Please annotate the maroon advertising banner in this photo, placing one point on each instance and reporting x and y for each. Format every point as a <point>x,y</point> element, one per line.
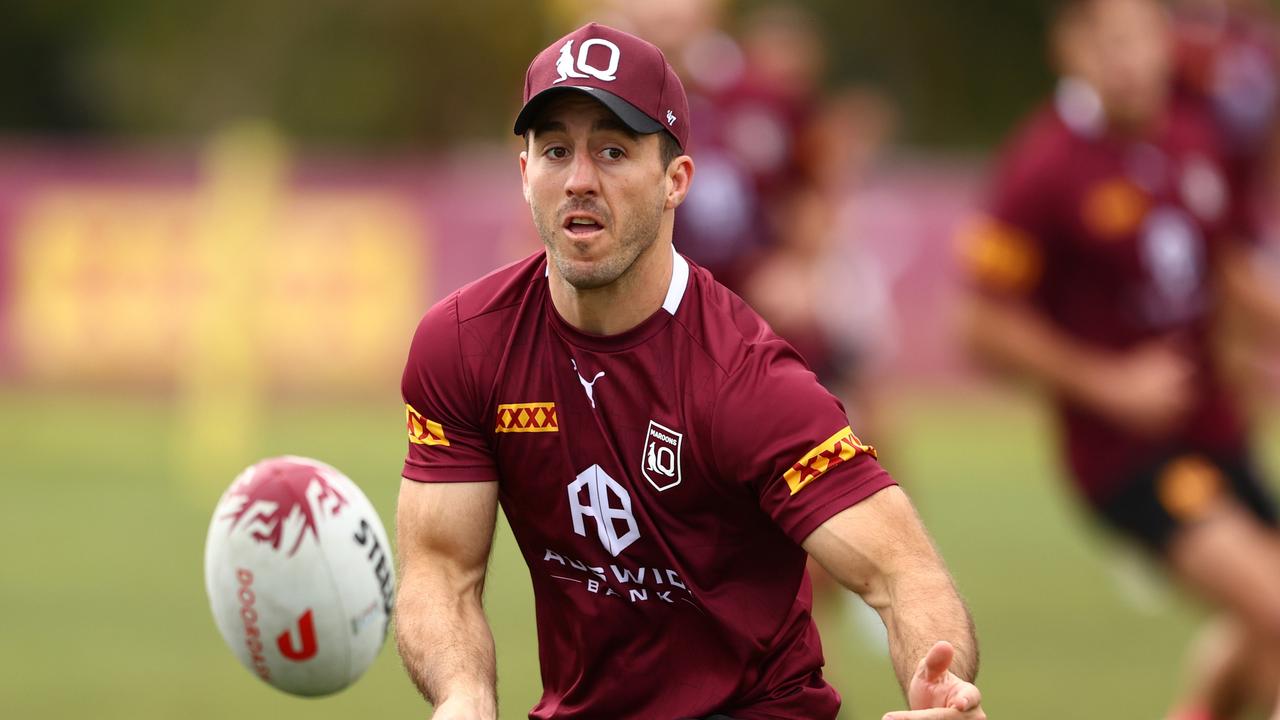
<point>131,267</point>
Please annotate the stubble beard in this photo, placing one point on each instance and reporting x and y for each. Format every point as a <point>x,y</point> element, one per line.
<point>635,233</point>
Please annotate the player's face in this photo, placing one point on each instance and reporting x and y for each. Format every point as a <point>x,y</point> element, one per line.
<point>597,191</point>
<point>1123,49</point>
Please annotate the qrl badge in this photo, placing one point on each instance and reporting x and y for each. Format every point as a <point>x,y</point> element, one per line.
<point>661,462</point>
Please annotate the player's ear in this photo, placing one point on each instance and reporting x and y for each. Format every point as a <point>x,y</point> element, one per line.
<point>679,178</point>
<point>524,174</point>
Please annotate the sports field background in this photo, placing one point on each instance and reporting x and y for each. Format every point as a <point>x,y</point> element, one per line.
<point>210,211</point>
<point>105,616</point>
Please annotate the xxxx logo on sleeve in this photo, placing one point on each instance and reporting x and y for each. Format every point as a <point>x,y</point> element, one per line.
<point>423,431</point>
<point>837,449</point>
<point>527,418</point>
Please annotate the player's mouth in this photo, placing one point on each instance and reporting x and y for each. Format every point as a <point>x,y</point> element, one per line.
<point>582,225</point>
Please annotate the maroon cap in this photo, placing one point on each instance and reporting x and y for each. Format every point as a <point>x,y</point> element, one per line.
<point>628,75</point>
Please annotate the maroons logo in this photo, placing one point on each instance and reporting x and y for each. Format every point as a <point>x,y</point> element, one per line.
<point>569,66</point>
<point>283,497</point>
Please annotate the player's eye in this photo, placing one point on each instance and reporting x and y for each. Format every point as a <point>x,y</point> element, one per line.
<point>556,152</point>
<point>613,153</point>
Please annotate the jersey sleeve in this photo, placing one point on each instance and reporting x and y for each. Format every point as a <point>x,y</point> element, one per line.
<point>779,433</point>
<point>447,441</point>
<point>1003,246</point>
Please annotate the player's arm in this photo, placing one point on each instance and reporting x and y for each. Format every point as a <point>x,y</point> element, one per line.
<point>1147,389</point>
<point>879,549</point>
<point>1012,337</point>
<point>1251,286</point>
<point>444,532</point>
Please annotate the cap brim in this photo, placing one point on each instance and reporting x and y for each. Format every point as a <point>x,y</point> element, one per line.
<point>629,114</point>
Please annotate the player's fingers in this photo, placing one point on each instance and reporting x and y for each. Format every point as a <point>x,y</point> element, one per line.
<point>937,714</point>
<point>938,661</point>
<point>930,714</point>
<point>965,697</point>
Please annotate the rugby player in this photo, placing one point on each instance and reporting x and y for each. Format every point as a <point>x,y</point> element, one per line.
<point>1109,249</point>
<point>664,460</point>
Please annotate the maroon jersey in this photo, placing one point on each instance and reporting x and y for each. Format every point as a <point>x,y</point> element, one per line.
<point>659,483</point>
<point>1114,241</point>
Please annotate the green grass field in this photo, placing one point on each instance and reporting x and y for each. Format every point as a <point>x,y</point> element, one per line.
<point>104,611</point>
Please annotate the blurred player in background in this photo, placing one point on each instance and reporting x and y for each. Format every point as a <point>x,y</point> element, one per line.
<point>1228,61</point>
<point>776,158</point>
<point>665,460</point>
<point>1111,245</point>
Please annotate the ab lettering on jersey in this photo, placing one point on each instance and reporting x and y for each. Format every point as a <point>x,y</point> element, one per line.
<point>601,508</point>
<point>608,503</point>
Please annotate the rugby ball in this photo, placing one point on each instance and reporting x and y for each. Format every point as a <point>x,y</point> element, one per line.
<point>299,575</point>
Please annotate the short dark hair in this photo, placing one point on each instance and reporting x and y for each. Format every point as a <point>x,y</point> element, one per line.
<point>668,146</point>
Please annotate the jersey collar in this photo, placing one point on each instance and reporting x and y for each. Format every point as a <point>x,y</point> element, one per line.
<point>679,282</point>
<point>636,335</point>
<point>1080,108</point>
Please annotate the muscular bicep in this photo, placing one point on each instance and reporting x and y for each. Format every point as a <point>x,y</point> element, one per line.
<point>446,530</point>
<point>866,545</point>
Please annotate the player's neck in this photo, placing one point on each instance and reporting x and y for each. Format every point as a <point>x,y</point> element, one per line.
<point>1137,126</point>
<point>624,303</point>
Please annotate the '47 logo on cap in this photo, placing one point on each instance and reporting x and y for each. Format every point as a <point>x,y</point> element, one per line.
<point>568,68</point>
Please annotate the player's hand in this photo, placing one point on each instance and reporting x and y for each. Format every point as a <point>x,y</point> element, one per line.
<point>935,693</point>
<point>1147,391</point>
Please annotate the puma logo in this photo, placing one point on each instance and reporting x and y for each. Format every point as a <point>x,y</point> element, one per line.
<point>589,387</point>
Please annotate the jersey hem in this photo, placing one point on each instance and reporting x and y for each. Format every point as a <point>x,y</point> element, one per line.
<point>474,473</point>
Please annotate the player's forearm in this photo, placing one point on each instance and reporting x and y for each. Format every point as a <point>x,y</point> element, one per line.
<point>1253,286</point>
<point>1018,340</point>
<point>921,608</point>
<point>446,645</point>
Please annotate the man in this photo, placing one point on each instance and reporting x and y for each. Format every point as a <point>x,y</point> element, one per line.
<point>664,460</point>
<point>1099,271</point>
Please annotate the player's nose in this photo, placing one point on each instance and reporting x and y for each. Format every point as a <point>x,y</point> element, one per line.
<point>583,178</point>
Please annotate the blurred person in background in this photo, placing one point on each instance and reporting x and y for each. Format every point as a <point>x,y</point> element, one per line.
<point>776,158</point>
<point>1108,251</point>
<point>832,139</point>
<point>1228,60</point>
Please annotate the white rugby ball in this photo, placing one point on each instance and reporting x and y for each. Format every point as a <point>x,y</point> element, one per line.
<point>300,575</point>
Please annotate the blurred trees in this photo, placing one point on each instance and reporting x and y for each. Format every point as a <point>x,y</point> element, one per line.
<point>415,73</point>
<point>376,71</point>
<point>962,72</point>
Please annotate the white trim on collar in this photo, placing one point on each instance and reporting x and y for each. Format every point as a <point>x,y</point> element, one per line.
<point>679,282</point>
<point>1080,107</point>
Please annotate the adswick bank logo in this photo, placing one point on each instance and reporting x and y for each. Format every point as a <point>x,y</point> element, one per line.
<point>595,494</point>
<point>601,504</point>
